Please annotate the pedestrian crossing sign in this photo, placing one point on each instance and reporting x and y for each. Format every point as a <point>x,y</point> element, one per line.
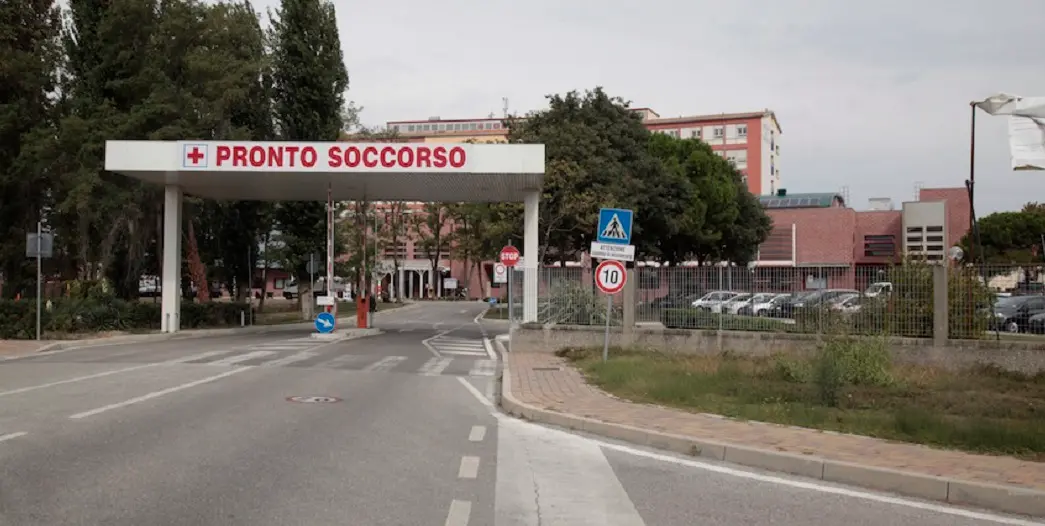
<point>614,226</point>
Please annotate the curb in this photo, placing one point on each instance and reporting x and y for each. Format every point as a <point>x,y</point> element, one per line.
<point>1008,499</point>
<point>195,333</point>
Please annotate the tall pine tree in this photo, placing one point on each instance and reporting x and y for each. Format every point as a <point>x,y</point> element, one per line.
<point>309,84</point>
<point>29,58</point>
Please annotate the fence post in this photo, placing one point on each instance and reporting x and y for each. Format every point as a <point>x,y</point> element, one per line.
<point>940,306</point>
<point>628,317</point>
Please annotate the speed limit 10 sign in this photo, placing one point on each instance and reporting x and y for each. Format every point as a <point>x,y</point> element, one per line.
<point>610,276</point>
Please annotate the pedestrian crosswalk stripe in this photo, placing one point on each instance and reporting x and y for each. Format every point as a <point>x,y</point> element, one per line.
<point>463,353</point>
<point>385,364</point>
<point>293,358</point>
<point>232,360</point>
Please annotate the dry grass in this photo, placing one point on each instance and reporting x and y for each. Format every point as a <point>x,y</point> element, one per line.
<point>984,409</point>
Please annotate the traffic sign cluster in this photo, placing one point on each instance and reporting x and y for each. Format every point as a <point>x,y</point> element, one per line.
<point>613,245</point>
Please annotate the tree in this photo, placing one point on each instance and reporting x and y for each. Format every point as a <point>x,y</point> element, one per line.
<point>309,84</point>
<point>394,231</point>
<point>361,241</point>
<point>597,156</point>
<point>1009,237</point>
<point>708,213</point>
<point>30,47</point>
<point>429,225</point>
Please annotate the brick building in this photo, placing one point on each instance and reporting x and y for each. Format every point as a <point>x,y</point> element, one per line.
<point>817,240</point>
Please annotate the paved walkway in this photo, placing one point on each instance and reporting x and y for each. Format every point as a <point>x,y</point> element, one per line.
<point>10,347</point>
<point>565,391</point>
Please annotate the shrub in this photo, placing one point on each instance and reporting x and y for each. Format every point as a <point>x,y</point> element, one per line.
<point>701,319</point>
<point>571,303</point>
<point>92,309</point>
<point>846,361</point>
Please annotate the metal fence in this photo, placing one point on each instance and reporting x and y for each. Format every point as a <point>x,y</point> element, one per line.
<point>897,300</point>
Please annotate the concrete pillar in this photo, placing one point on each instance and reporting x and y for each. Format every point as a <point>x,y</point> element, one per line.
<point>399,284</point>
<point>531,263</point>
<point>410,285</point>
<point>170,320</point>
<point>941,310</point>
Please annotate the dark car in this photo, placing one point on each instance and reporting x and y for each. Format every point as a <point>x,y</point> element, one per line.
<point>1013,314</point>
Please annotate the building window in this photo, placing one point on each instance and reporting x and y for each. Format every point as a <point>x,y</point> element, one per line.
<point>876,246</point>
<point>717,132</point>
<point>742,130</point>
<point>278,284</point>
<point>411,128</point>
<point>694,134</point>
<point>496,125</point>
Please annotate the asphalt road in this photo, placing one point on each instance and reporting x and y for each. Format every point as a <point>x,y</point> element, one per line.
<point>201,432</point>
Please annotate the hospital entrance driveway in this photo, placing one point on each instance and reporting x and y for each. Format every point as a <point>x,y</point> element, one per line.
<point>396,429</point>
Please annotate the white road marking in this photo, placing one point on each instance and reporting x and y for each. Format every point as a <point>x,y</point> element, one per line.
<point>557,478</point>
<point>477,434</point>
<point>463,353</point>
<point>157,394</point>
<point>385,364</point>
<point>280,347</point>
<point>478,396</point>
<point>460,510</point>
<point>11,436</point>
<point>740,473</point>
<point>489,348</point>
<point>436,366</point>
<point>469,468</point>
<point>293,358</point>
<point>483,368</point>
<point>428,342</point>
<point>239,358</point>
<point>110,373</point>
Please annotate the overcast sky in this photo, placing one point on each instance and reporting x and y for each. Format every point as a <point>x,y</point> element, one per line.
<point>872,96</point>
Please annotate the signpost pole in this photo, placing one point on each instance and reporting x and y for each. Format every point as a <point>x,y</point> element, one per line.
<point>312,285</point>
<point>39,274</point>
<point>511,306</point>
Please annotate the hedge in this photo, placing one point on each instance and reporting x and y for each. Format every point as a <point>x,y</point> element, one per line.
<point>94,314</point>
<point>702,319</point>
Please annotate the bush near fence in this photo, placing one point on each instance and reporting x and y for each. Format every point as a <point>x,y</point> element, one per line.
<point>702,319</point>
<point>91,307</point>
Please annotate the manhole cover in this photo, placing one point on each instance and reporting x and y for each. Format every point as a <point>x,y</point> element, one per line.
<point>313,399</point>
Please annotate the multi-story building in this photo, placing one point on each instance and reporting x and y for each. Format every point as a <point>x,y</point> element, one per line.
<point>751,141</point>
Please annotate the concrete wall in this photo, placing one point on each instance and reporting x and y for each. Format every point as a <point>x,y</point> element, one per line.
<point>1026,357</point>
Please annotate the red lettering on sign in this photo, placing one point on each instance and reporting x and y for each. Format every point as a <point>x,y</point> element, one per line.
<point>309,157</point>
<point>408,157</point>
<point>388,157</point>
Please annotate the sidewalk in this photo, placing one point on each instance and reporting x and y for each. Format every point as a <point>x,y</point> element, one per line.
<point>1000,483</point>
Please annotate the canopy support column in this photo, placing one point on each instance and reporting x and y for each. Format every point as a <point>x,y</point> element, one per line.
<point>170,320</point>
<point>531,261</point>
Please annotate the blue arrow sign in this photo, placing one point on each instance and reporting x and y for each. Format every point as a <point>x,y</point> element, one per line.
<point>325,322</point>
<point>614,226</point>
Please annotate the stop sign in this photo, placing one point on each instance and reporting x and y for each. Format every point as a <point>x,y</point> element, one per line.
<point>509,256</point>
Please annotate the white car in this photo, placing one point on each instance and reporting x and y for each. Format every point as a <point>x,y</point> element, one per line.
<point>882,287</point>
<point>753,303</point>
<point>713,301</point>
<point>734,304</point>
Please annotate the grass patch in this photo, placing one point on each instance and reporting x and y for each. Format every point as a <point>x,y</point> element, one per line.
<point>850,386</point>
<point>495,313</point>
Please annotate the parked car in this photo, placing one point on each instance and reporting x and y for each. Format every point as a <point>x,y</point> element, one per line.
<point>745,306</point>
<point>732,305</point>
<point>883,288</point>
<point>712,301</point>
<point>1013,314</point>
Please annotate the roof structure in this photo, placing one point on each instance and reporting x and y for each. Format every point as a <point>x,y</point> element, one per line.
<point>813,200</point>
<point>303,171</point>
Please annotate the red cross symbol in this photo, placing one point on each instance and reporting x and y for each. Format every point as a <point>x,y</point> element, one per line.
<point>195,155</point>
